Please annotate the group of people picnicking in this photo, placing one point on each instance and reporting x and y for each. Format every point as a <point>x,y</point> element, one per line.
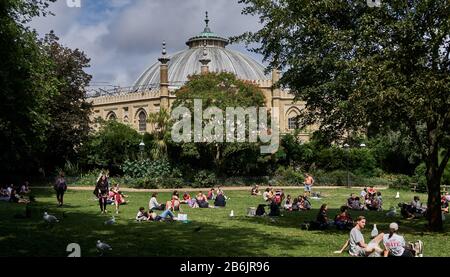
<point>201,200</point>
<point>416,209</point>
<point>368,199</point>
<point>394,244</point>
<point>16,194</point>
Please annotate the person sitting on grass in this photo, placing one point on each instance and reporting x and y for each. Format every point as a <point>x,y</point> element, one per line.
<point>374,202</point>
<point>25,189</point>
<point>413,210</point>
<point>358,248</point>
<point>268,195</point>
<point>211,194</point>
<point>303,203</point>
<point>395,245</point>
<point>322,221</point>
<point>119,197</point>
<point>353,203</point>
<point>220,200</point>
<point>288,203</point>
<point>343,220</point>
<point>278,197</point>
<point>174,203</point>
<point>255,191</point>
<point>166,215</point>
<point>16,198</point>
<point>202,200</point>
<point>444,205</point>
<point>188,200</point>
<point>220,191</point>
<point>142,215</point>
<point>153,204</point>
<point>4,195</point>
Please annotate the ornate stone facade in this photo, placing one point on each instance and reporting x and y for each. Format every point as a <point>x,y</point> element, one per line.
<point>155,88</point>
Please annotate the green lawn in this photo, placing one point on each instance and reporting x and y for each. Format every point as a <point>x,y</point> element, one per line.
<point>219,235</point>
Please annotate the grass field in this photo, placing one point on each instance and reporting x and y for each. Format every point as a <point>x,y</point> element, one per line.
<point>219,234</point>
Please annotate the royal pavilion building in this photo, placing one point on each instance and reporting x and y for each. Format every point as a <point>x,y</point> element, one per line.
<point>206,52</point>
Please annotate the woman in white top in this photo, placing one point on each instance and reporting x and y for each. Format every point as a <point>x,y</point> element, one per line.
<point>395,244</point>
<point>153,203</point>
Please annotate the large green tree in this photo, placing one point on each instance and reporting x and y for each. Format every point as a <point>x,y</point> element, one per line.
<point>25,88</point>
<point>110,146</point>
<point>69,111</point>
<point>356,65</point>
<point>222,90</point>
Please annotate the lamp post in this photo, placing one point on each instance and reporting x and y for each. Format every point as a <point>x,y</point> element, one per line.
<point>141,148</point>
<point>347,147</point>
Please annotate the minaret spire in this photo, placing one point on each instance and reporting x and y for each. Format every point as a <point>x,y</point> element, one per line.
<point>164,78</point>
<point>207,30</point>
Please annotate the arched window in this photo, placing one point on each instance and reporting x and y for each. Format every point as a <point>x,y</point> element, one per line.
<point>111,116</point>
<point>292,123</point>
<point>292,116</point>
<point>142,121</point>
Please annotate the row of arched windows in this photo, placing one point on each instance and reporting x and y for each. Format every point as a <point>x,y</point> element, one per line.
<point>141,116</point>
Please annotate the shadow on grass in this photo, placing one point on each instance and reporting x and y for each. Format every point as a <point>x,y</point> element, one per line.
<point>293,219</point>
<point>33,237</point>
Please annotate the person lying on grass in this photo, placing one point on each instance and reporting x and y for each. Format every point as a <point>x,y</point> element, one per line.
<point>142,215</point>
<point>358,247</point>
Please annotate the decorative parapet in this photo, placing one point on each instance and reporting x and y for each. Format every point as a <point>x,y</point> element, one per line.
<point>129,97</point>
<point>260,83</point>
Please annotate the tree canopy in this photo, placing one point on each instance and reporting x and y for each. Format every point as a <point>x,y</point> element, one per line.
<point>358,66</point>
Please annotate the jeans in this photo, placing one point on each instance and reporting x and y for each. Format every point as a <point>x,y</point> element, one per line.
<point>167,213</point>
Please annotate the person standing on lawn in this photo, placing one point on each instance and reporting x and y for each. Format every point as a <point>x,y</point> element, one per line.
<point>102,191</point>
<point>308,182</point>
<point>60,187</point>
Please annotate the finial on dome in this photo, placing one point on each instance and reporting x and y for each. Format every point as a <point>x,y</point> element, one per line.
<point>164,52</point>
<point>207,30</point>
<point>164,59</point>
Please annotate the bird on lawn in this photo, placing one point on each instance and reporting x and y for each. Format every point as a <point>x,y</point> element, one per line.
<point>50,218</point>
<point>111,221</point>
<point>103,247</point>
<point>397,196</point>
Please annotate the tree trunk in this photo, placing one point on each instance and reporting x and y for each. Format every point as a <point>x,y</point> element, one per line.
<point>434,213</point>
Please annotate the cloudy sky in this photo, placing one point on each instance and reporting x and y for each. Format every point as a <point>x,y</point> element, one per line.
<point>123,37</point>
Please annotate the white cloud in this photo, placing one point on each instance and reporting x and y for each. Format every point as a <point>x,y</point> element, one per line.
<point>123,37</point>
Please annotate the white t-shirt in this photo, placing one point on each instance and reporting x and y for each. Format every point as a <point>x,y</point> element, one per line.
<point>396,244</point>
<point>153,203</point>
